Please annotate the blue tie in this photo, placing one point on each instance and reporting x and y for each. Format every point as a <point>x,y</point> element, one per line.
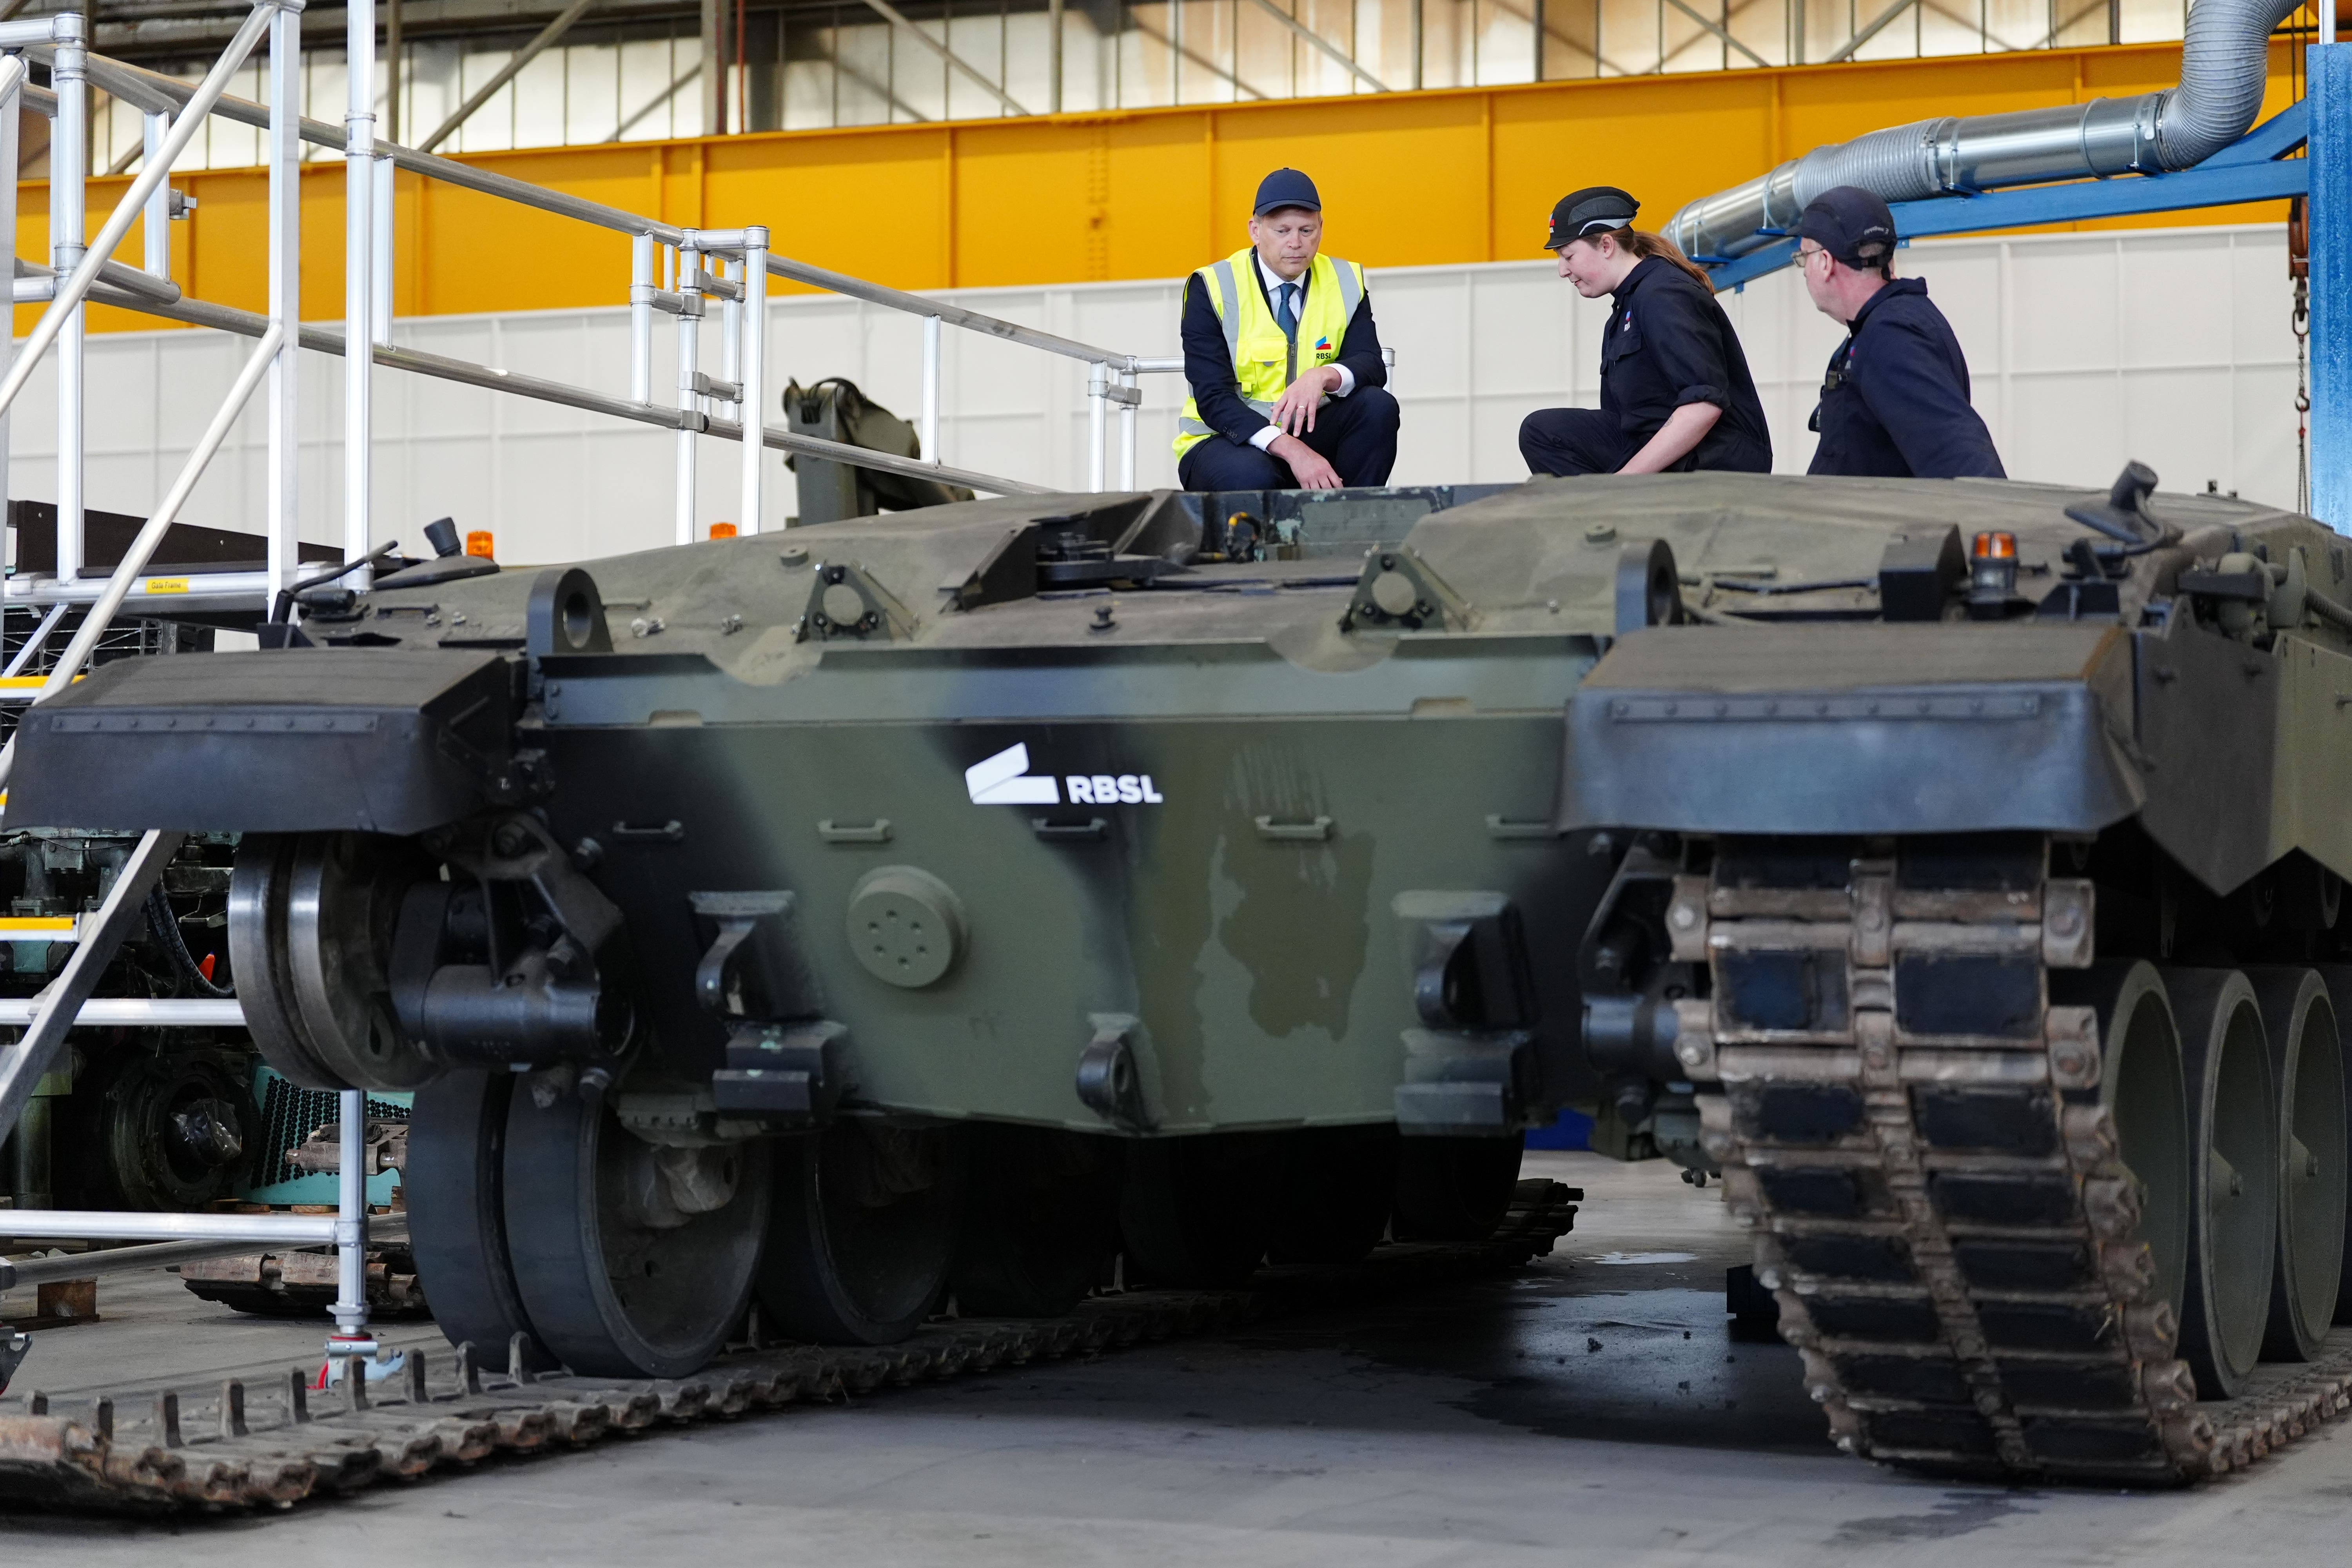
<point>1288,314</point>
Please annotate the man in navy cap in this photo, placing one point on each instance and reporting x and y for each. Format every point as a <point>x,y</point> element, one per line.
<point>1896,401</point>
<point>1283,359</point>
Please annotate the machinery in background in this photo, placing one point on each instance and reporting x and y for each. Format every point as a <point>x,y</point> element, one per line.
<point>167,1118</point>
<point>296,1165</point>
<point>144,1117</point>
<point>174,1119</point>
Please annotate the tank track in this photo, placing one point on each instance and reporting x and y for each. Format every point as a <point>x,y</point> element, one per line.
<point>1915,1134</point>
<point>135,1451</point>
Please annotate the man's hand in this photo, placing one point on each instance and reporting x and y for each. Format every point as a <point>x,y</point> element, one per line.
<point>1308,465</point>
<point>1294,411</point>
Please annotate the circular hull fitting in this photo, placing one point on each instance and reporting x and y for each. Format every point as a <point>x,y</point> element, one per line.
<point>1453,1189</point>
<point>862,1231</point>
<point>2307,1070</point>
<point>631,1259</point>
<point>456,1190</point>
<point>1198,1210</point>
<point>2142,1083</point>
<point>2233,1234</point>
<point>1339,1187</point>
<point>1040,1221</point>
<point>311,922</point>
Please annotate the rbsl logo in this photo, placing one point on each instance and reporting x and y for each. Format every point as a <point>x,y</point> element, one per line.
<point>1004,779</point>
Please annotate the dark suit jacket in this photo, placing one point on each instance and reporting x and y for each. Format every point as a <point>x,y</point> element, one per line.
<point>1210,368</point>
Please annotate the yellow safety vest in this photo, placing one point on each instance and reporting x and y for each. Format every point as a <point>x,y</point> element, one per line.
<point>1264,359</point>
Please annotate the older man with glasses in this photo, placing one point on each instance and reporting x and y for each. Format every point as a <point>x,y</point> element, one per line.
<point>1896,401</point>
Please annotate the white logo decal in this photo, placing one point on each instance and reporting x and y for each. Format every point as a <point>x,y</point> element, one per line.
<point>1004,780</point>
<point>1104,789</point>
<point>999,780</point>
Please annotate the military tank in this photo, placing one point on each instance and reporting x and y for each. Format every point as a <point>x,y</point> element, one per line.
<point>950,903</point>
<point>839,918</point>
<point>1978,919</point>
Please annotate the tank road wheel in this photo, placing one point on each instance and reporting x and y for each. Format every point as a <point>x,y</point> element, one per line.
<point>1340,1186</point>
<point>1196,1211</point>
<point>455,1188</point>
<point>2143,1086</point>
<point>2307,1069</point>
<point>2233,1229</point>
<point>1454,1189</point>
<point>1040,1222</point>
<point>862,1232</point>
<point>631,1259</point>
<point>2339,980</point>
<point>310,919</point>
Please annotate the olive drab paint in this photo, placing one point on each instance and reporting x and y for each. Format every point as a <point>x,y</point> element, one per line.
<point>1269,772</point>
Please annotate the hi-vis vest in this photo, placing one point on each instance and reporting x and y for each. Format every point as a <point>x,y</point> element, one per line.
<point>1265,361</point>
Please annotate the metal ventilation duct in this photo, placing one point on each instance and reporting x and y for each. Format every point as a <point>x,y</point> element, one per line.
<point>2223,67</point>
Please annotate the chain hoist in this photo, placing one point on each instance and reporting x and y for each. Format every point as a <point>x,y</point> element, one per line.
<point>2298,267</point>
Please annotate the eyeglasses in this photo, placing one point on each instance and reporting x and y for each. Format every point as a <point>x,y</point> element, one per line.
<point>1807,258</point>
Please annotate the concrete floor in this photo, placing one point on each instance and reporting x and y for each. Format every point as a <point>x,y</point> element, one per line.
<point>1594,1409</point>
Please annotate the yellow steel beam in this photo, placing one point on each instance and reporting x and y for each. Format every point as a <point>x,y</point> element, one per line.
<point>1410,178</point>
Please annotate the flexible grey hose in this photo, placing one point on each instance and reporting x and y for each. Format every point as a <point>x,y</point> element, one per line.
<point>2224,68</point>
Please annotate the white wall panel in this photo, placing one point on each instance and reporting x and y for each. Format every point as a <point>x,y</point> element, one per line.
<point>2172,346</point>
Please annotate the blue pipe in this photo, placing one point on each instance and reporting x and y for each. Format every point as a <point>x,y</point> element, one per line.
<point>2330,210</point>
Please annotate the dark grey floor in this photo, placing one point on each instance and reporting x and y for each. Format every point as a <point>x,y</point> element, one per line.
<point>1592,1410</point>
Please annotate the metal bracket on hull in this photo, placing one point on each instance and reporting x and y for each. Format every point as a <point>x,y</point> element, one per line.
<point>1399,591</point>
<point>787,1073</point>
<point>1111,1073</point>
<point>846,602</point>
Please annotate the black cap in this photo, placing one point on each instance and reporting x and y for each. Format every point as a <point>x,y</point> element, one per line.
<point>1850,223</point>
<point>1286,188</point>
<point>1593,210</point>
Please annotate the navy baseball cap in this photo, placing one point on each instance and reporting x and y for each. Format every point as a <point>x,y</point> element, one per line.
<point>1286,188</point>
<point>1850,223</point>
<point>1596,209</point>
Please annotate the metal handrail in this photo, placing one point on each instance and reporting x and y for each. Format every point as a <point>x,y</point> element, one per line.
<point>72,289</point>
<point>135,79</point>
<point>328,338</point>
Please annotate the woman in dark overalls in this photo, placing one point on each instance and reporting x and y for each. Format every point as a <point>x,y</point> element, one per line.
<point>1675,393</point>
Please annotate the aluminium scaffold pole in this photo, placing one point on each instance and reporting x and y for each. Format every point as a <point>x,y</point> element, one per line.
<point>283,142</point>
<point>351,1339</point>
<point>359,281</point>
<point>68,225</point>
<point>12,98</point>
<point>689,401</point>
<point>753,360</point>
<point>643,287</point>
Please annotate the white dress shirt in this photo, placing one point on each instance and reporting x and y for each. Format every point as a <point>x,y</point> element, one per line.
<point>1268,286</point>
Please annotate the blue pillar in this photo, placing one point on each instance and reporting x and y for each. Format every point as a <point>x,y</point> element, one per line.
<point>2330,212</point>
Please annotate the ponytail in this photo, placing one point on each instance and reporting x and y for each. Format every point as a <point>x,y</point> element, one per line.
<point>1644,245</point>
